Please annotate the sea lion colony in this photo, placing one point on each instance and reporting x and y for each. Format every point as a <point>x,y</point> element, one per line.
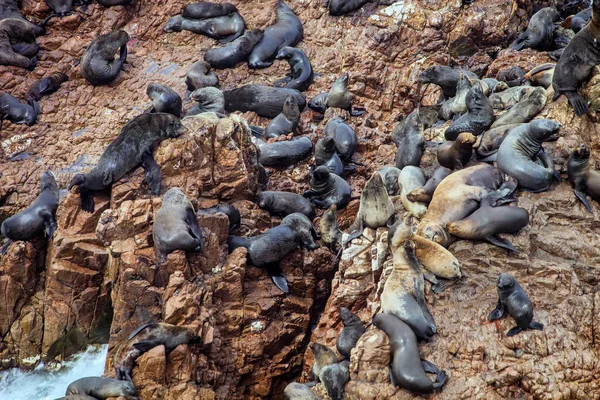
<point>489,122</point>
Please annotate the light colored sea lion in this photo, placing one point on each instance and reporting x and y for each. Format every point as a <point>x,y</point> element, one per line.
<point>282,204</point>
<point>102,388</point>
<point>489,142</point>
<point>16,30</point>
<point>164,99</point>
<point>524,111</point>
<point>230,55</point>
<point>288,152</point>
<point>390,179</point>
<point>301,74</point>
<point>334,377</point>
<point>298,391</point>
<point>410,179</point>
<point>445,77</point>
<point>582,176</point>
<point>520,150</point>
<point>512,298</point>
<point>376,207</point>
<point>437,260</point>
<point>458,103</point>
<point>479,116</point>
<point>425,193</point>
<point>47,85</point>
<point>410,141</point>
<point>408,370</point>
<point>16,112</point>
<point>329,229</point>
<point>455,155</point>
<point>352,331</point>
<point>98,65</point>
<point>175,226</point>
<point>199,76</point>
<point>344,136</point>
<point>323,356</point>
<point>210,99</point>
<point>327,189</point>
<point>541,75</point>
<point>495,85</point>
<point>539,34</point>
<point>510,97</point>
<point>286,122</point>
<point>266,101</point>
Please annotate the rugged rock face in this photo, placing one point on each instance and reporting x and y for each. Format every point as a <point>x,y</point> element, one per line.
<point>97,280</point>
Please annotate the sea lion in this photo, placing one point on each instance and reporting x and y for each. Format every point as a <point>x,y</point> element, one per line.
<point>268,248</point>
<point>425,193</point>
<point>266,101</point>
<point>495,85</point>
<point>77,397</point>
<point>60,7</point>
<point>489,142</point>
<point>133,147</point>
<point>577,62</point>
<point>410,141</point>
<point>282,204</point>
<point>175,226</point>
<point>16,30</point>
<point>539,34</point>
<point>98,65</point>
<point>520,150</point>
<point>344,136</point>
<point>225,28</point>
<point>376,207</point>
<point>352,331</point>
<point>301,73</point>
<point>510,97</point>
<point>329,229</point>
<point>210,99</point>
<point>334,377</point>
<point>287,31</point>
<point>341,7</point>
<point>458,103</point>
<point>445,77</point>
<point>164,99</point>
<point>36,219</point>
<point>326,154</point>
<point>455,155</point>
<point>230,55</point>
<point>205,9</point>
<point>323,356</point>
<point>232,214</point>
<point>46,85</point>
<point>524,111</point>
<point>582,176</point>
<point>512,298</point>
<point>145,338</point>
<point>408,370</point>
<point>288,152</point>
<point>412,178</point>
<point>340,97</point>
<point>298,391</point>
<point>286,122</point>
<point>478,118</point>
<point>28,50</point>
<point>438,261</point>
<point>319,102</point>
<point>16,112</point>
<point>102,388</point>
<point>581,19</point>
<point>390,179</point>
<point>455,198</point>
<point>541,75</point>
<point>513,76</point>
<point>327,189</point>
<point>199,76</point>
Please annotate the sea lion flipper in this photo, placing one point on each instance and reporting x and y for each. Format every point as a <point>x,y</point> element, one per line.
<point>582,198</point>
<point>441,285</point>
<point>87,201</point>
<point>192,222</point>
<point>579,104</point>
<point>49,224</point>
<point>152,172</point>
<point>278,277</point>
<point>440,380</point>
<point>500,242</point>
<point>429,367</point>
<point>144,346</point>
<point>536,325</point>
<point>5,247</point>
<point>282,82</point>
<point>514,331</point>
<point>498,312</point>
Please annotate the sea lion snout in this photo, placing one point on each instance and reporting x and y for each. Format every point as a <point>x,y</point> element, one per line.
<point>505,281</point>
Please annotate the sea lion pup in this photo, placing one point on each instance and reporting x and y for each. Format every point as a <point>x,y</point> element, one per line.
<point>478,118</point>
<point>47,85</point>
<point>510,97</point>
<point>16,30</point>
<point>98,64</point>
<point>200,76</point>
<point>524,111</point>
<point>225,28</point>
<point>175,226</point>
<point>455,155</point>
<point>541,75</point>
<point>340,97</point>
<point>282,204</point>
<point>16,112</point>
<point>539,34</point>
<point>268,248</point>
<point>334,377</point>
<point>582,176</point>
<point>408,370</point>
<point>288,152</point>
<point>301,73</point>
<point>458,103</point>
<point>520,150</point>
<point>581,19</point>
<point>577,62</point>
<point>210,99</point>
<point>412,178</point>
<point>323,356</point>
<point>102,388</point>
<point>424,194</point>
<point>230,55</point>
<point>326,154</point>
<point>145,338</point>
<point>205,9</point>
<point>232,214</point>
<point>298,391</point>
<point>319,102</point>
<point>489,142</point>
<point>164,99</point>
<point>352,331</point>
<point>287,31</point>
<point>390,179</point>
<point>266,101</point>
<point>327,189</point>
<point>35,219</point>
<point>286,122</point>
<point>133,147</point>
<point>445,77</point>
<point>456,197</point>
<point>344,136</point>
<point>410,141</point>
<point>512,298</point>
<point>341,7</point>
<point>330,231</point>
<point>513,76</point>
<point>376,207</point>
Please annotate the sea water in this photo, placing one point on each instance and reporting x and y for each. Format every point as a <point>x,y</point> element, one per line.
<point>44,383</point>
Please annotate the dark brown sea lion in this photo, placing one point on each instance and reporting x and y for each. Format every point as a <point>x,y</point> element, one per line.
<point>326,154</point>
<point>576,63</point>
<point>301,73</point>
<point>198,76</point>
<point>344,136</point>
<point>408,370</point>
<point>513,76</point>
<point>445,77</point>
<point>327,189</point>
<point>205,9</point>
<point>98,65</point>
<point>102,388</point>
<point>46,85</point>
<point>478,118</point>
<point>266,101</point>
<point>582,176</point>
<point>12,31</point>
<point>341,7</point>
<point>455,155</point>
<point>282,204</point>
<point>145,338</point>
<point>287,31</point>
<point>410,141</point>
<point>512,298</point>
<point>60,7</point>
<point>35,219</point>
<point>225,28</point>
<point>230,55</point>
<point>524,111</point>
<point>164,99</point>
<point>541,75</point>
<point>286,122</point>
<point>352,331</point>
<point>16,112</point>
<point>133,147</point>
<point>425,193</point>
<point>284,153</point>
<point>539,34</point>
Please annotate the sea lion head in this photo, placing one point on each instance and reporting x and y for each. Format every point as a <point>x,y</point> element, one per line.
<point>582,152</point>
<point>174,128</point>
<point>319,102</point>
<point>348,317</point>
<point>401,230</point>
<point>48,181</point>
<point>208,96</point>
<point>78,180</point>
<point>318,349</point>
<point>475,99</point>
<point>320,174</point>
<point>175,196</point>
<point>542,129</point>
<point>523,41</point>
<point>505,282</point>
<point>328,144</point>
<point>290,108</point>
<point>436,233</point>
<point>154,89</point>
<point>128,391</point>
<point>431,74</point>
<point>466,140</point>
<point>174,24</point>
<point>285,52</point>
<point>264,199</point>
<point>464,82</point>
<point>305,229</point>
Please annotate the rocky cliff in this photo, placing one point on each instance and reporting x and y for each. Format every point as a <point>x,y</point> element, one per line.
<point>96,280</point>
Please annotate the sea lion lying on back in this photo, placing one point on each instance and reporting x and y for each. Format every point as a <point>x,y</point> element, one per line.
<point>98,65</point>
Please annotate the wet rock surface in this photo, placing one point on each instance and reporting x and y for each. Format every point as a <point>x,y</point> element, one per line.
<point>97,281</point>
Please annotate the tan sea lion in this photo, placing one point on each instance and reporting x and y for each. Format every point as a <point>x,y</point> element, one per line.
<point>455,155</point>
<point>412,178</point>
<point>541,75</point>
<point>425,193</point>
